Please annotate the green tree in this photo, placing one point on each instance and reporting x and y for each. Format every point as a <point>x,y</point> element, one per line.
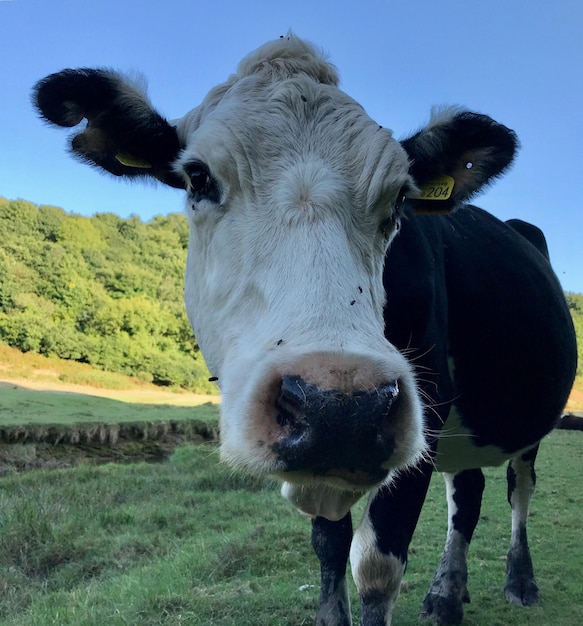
<point>101,290</point>
<point>575,302</point>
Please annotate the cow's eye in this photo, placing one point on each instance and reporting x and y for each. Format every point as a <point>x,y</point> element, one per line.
<point>200,179</point>
<point>399,206</point>
<point>401,199</point>
<point>201,184</point>
<point>393,222</point>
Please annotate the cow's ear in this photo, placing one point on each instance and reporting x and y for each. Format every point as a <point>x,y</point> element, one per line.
<point>455,156</point>
<point>123,135</point>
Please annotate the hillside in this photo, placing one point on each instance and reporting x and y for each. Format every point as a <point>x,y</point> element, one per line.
<point>107,291</point>
<point>100,290</point>
<point>575,302</point>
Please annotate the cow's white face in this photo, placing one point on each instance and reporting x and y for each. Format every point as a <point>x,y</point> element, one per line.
<point>293,197</point>
<point>284,270</point>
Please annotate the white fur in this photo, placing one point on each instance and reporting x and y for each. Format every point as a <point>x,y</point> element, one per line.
<point>290,264</point>
<point>457,449</point>
<point>320,500</point>
<point>375,572</point>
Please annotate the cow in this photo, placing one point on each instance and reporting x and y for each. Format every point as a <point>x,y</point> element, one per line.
<point>366,325</point>
<point>570,421</point>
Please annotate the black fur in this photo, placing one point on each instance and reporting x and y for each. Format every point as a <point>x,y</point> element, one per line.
<point>121,123</point>
<point>472,290</point>
<point>331,543</point>
<point>447,149</point>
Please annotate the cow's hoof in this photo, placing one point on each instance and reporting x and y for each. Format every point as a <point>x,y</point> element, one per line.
<point>335,615</point>
<point>330,621</point>
<point>522,592</point>
<point>445,611</point>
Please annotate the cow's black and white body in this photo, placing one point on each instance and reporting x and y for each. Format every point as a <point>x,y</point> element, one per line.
<point>359,343</point>
<point>477,320</point>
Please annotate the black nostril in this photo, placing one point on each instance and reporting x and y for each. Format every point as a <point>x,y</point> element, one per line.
<point>389,391</point>
<point>329,430</point>
<point>291,401</point>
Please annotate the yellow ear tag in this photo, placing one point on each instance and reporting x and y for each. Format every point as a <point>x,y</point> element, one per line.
<point>131,161</point>
<point>439,189</point>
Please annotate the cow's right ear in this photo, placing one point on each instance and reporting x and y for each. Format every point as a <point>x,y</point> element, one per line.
<point>124,135</point>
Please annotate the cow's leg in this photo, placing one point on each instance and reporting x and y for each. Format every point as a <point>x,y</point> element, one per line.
<point>444,601</point>
<point>521,588</point>
<point>331,543</point>
<point>378,555</point>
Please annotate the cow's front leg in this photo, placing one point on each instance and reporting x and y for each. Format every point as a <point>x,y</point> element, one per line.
<point>378,555</point>
<point>521,588</point>
<point>331,543</point>
<point>444,601</point>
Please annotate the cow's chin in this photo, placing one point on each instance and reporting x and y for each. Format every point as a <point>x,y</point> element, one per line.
<point>321,499</point>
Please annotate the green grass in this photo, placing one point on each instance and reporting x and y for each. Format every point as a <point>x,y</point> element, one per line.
<point>190,542</point>
<point>23,407</point>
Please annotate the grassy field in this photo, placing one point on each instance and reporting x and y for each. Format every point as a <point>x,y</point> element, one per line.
<point>190,542</point>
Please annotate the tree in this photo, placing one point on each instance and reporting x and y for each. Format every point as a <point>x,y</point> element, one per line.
<point>101,290</point>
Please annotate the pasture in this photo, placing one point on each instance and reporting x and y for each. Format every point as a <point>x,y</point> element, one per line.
<point>190,542</point>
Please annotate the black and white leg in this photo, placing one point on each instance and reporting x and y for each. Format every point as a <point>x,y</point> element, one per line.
<point>329,510</point>
<point>521,588</point>
<point>331,543</point>
<point>378,555</point>
<point>448,592</point>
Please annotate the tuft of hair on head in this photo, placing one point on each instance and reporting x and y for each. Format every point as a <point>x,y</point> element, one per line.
<point>289,56</point>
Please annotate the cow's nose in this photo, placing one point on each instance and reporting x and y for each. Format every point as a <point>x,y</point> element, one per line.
<point>333,433</point>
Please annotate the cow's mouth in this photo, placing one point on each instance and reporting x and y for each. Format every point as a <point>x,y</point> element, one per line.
<point>337,478</point>
<point>357,478</point>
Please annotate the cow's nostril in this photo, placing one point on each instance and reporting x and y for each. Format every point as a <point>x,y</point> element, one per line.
<point>388,391</point>
<point>332,433</point>
<point>291,401</point>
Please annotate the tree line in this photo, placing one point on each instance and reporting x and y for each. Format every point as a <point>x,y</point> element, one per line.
<point>101,290</point>
<point>109,291</point>
<point>575,302</point>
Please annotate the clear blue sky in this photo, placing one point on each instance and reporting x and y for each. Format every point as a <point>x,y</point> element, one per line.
<point>520,62</point>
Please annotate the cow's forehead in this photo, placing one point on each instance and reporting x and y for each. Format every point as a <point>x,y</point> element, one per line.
<point>262,122</point>
<point>260,108</point>
<point>284,105</point>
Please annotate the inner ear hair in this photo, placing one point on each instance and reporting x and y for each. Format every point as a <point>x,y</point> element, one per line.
<point>472,169</point>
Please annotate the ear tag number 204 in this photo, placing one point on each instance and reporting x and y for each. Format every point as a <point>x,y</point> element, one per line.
<point>439,189</point>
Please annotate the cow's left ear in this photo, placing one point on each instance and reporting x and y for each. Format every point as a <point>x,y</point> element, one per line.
<point>455,156</point>
<point>124,135</point>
